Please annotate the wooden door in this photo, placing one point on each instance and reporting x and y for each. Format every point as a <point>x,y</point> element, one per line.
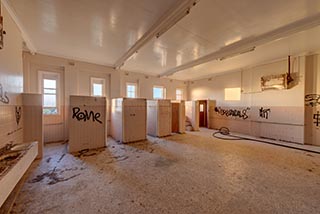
<point>175,117</point>
<point>203,113</point>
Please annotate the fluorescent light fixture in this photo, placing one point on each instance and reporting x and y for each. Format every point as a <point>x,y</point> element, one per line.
<point>169,19</point>
<point>236,54</point>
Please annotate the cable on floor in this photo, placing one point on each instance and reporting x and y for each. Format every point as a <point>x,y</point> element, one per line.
<point>225,132</point>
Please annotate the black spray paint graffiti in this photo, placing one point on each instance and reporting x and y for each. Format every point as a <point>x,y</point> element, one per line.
<point>233,112</point>
<point>76,113</point>
<point>312,100</point>
<point>18,114</point>
<point>316,118</point>
<point>264,112</point>
<point>3,96</point>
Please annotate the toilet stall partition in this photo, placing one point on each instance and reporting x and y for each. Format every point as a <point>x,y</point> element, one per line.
<point>129,119</point>
<point>159,117</point>
<point>87,123</point>
<point>178,116</point>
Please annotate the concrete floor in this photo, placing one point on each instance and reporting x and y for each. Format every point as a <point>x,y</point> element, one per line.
<point>190,173</point>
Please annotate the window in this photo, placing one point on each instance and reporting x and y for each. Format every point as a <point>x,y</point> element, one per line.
<point>97,86</point>
<point>50,86</point>
<point>179,94</point>
<point>201,108</point>
<point>159,92</point>
<point>131,90</point>
<point>232,94</point>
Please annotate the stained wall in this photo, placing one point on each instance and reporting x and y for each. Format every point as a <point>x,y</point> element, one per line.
<point>11,80</point>
<point>275,114</point>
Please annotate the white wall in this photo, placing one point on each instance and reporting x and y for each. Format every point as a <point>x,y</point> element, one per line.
<point>312,87</point>
<point>145,85</point>
<point>11,80</point>
<point>286,120</point>
<point>76,81</point>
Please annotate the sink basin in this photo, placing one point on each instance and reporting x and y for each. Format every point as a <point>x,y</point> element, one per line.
<point>13,165</point>
<point>10,156</point>
<point>7,159</point>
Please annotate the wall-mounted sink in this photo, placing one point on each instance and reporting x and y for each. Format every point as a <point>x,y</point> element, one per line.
<point>9,156</point>
<point>8,159</point>
<point>14,162</point>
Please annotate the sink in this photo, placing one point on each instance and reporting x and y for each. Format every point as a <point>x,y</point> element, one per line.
<point>14,162</point>
<point>8,159</point>
<point>9,156</point>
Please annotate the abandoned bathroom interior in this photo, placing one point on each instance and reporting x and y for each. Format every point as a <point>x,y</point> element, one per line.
<point>171,106</point>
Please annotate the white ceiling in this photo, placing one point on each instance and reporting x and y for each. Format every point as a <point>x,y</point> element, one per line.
<point>101,31</point>
<point>98,31</point>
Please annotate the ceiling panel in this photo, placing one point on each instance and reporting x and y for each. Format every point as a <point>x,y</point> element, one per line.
<point>212,25</point>
<point>97,30</point>
<point>101,31</point>
<point>303,42</point>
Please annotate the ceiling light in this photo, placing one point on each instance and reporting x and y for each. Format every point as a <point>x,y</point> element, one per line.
<point>169,19</point>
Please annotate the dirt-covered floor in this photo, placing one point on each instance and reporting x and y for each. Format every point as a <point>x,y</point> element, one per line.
<point>189,173</point>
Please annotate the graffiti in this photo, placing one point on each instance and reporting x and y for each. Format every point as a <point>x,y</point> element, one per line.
<point>18,114</point>
<point>316,118</point>
<point>14,131</point>
<point>3,96</point>
<point>233,112</point>
<point>84,115</point>
<point>312,100</point>
<point>264,112</point>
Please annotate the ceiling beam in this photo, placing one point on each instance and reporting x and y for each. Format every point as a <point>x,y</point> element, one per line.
<point>250,43</point>
<point>164,23</point>
<point>24,34</point>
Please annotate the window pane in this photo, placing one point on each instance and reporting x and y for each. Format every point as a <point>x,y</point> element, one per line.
<point>157,93</point>
<point>179,94</point>
<point>49,100</point>
<point>49,91</point>
<point>201,107</point>
<point>47,83</point>
<point>131,94</point>
<point>97,89</point>
<point>50,111</point>
<point>131,90</point>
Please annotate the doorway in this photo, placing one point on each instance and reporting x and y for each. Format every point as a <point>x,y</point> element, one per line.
<point>203,113</point>
<point>175,117</point>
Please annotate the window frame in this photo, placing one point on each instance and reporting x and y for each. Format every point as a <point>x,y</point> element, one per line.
<point>136,89</point>
<point>97,80</point>
<point>179,89</point>
<point>50,76</point>
<point>164,92</point>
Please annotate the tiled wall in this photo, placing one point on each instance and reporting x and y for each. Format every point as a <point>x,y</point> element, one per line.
<point>286,119</point>
<point>279,123</point>
<point>11,126</point>
<point>11,81</point>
